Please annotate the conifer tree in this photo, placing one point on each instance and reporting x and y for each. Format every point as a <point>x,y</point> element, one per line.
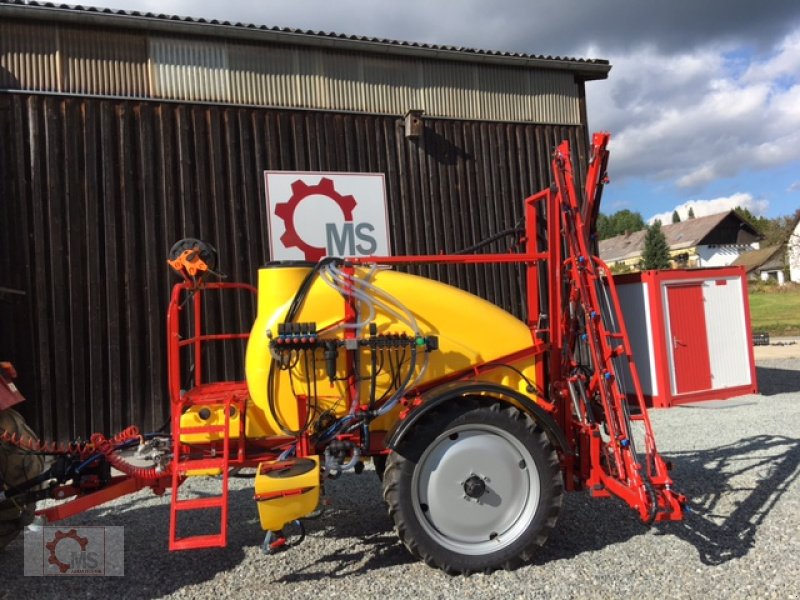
<point>656,249</point>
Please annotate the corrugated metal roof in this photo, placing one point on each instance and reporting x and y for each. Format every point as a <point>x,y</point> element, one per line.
<point>587,68</point>
<point>102,63</point>
<point>85,55</point>
<point>27,60</point>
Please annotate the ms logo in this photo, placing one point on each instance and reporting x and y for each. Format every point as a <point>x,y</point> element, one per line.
<point>320,221</point>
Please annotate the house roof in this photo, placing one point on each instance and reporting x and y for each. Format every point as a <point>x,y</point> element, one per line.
<point>721,228</point>
<point>586,68</point>
<point>622,247</point>
<point>758,259</point>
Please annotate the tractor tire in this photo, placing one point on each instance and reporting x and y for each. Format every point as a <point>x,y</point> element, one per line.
<point>474,488</point>
<point>379,462</point>
<point>16,466</point>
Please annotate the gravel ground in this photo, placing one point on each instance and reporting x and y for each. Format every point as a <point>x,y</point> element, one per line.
<point>738,460</point>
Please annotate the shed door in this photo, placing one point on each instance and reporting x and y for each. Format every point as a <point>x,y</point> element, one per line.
<point>691,368</point>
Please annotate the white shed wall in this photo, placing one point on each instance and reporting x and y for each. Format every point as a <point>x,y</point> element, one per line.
<point>721,256</point>
<point>794,254</point>
<point>728,346</point>
<point>635,303</point>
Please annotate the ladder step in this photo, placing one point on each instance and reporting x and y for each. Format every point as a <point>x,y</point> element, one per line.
<point>216,465</point>
<point>199,503</point>
<point>214,540</point>
<point>201,464</point>
<point>202,429</point>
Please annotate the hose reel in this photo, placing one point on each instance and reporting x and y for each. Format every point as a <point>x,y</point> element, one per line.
<point>192,259</point>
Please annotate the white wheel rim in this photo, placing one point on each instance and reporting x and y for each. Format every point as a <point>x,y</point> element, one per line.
<point>475,489</point>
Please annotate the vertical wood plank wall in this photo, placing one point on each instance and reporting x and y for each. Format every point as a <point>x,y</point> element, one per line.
<point>95,191</point>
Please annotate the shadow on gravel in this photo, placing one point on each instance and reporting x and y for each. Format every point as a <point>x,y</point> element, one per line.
<point>151,571</point>
<point>367,554</point>
<point>360,527</point>
<point>777,381</point>
<point>357,529</point>
<point>731,490</point>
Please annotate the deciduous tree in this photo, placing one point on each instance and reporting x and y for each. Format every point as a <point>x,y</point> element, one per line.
<point>623,221</point>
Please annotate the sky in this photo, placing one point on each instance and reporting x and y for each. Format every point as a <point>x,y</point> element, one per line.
<point>702,101</point>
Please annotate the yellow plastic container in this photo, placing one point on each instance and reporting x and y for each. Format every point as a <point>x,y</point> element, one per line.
<point>214,416</point>
<point>470,330</point>
<point>286,490</point>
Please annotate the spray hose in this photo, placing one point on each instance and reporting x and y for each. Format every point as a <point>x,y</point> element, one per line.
<point>80,449</point>
<point>106,448</point>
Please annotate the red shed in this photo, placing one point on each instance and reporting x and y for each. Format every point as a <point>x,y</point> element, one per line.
<point>690,333</point>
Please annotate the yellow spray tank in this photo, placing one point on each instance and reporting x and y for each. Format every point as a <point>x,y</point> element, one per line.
<point>469,330</point>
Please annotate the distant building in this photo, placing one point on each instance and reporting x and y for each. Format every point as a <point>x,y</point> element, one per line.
<point>793,253</point>
<point>764,264</point>
<point>712,241</point>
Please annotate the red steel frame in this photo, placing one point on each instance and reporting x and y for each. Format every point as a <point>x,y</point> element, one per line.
<point>607,466</point>
<point>248,453</point>
<point>174,340</point>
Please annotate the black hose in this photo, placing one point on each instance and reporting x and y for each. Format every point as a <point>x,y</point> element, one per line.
<point>532,387</point>
<point>374,375</point>
<point>15,490</point>
<point>291,314</point>
<point>651,493</point>
<point>271,402</point>
<point>305,286</point>
<point>516,230</point>
<point>411,368</point>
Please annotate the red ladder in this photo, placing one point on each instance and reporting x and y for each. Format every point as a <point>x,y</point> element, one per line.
<point>183,463</point>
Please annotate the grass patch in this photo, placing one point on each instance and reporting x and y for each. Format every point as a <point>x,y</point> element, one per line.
<point>775,309</point>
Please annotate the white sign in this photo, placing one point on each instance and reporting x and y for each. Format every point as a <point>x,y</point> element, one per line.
<point>75,550</point>
<point>313,215</point>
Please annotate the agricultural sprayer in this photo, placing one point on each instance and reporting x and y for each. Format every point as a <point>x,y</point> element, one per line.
<point>476,421</point>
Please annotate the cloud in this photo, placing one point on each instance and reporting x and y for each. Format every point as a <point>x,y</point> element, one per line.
<point>794,187</point>
<point>786,61</point>
<point>697,117</point>
<point>536,26</point>
<point>702,208</point>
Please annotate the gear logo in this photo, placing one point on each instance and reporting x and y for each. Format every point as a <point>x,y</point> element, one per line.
<point>316,214</point>
<point>59,537</point>
<point>287,212</point>
<point>84,550</point>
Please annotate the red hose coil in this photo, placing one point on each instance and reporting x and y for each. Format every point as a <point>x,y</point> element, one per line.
<point>126,434</point>
<point>81,449</point>
<point>30,444</point>
<point>99,443</point>
<point>106,447</point>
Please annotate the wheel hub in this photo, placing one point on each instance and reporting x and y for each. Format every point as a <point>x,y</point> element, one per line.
<point>465,512</point>
<point>474,487</point>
